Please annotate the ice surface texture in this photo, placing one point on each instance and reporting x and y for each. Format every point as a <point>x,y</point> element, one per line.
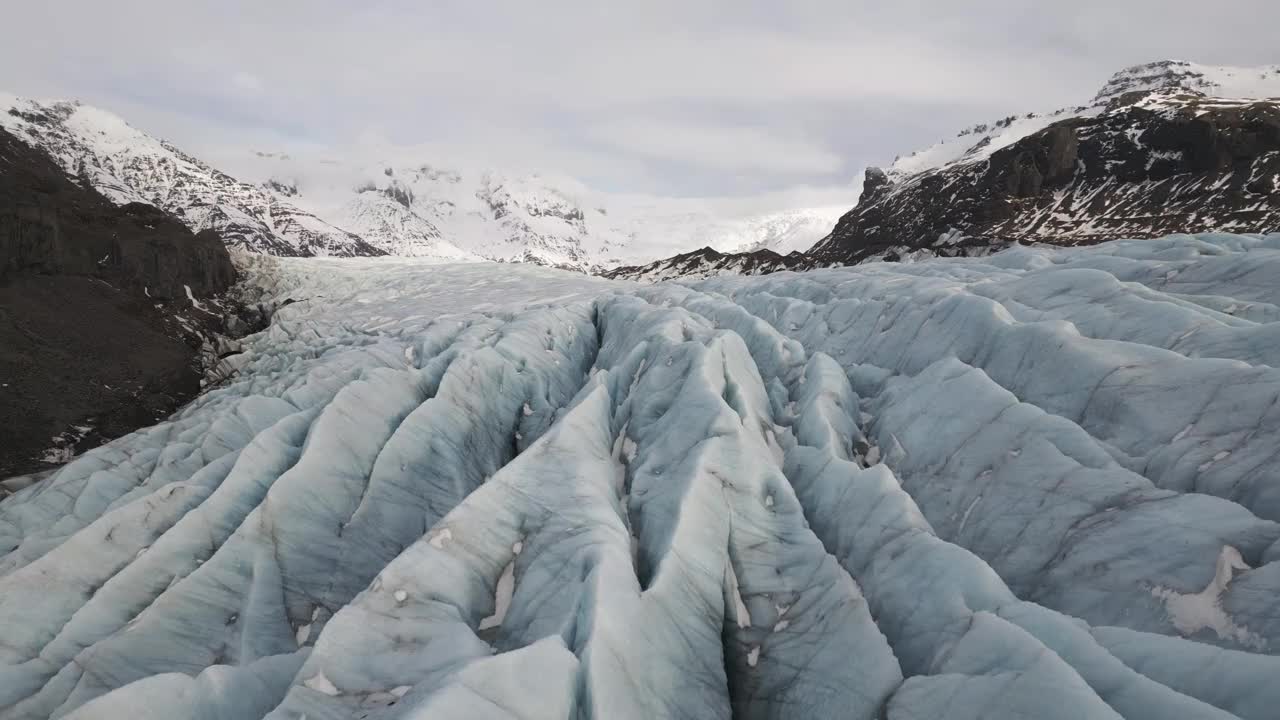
<point>1040,484</point>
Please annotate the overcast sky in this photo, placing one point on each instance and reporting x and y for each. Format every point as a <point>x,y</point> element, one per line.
<point>682,98</point>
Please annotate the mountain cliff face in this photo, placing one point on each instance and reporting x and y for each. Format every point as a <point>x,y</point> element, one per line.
<point>1163,148</point>
<point>50,225</point>
<point>101,308</point>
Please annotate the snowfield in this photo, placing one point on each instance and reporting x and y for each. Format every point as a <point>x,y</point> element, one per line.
<point>1040,484</point>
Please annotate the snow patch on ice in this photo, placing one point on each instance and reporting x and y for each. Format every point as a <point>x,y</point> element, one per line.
<point>1217,457</point>
<point>502,597</point>
<point>967,512</point>
<point>740,612</point>
<point>320,683</point>
<point>774,448</point>
<point>1192,612</point>
<point>440,538</point>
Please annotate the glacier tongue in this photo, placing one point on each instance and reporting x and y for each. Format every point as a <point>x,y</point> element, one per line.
<point>1037,484</point>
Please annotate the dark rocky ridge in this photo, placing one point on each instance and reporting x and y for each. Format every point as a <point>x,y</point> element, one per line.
<point>97,333</point>
<point>707,262</point>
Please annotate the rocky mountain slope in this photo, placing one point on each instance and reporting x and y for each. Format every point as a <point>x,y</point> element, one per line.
<point>127,165</point>
<point>100,311</point>
<point>1162,148</point>
<point>320,206</point>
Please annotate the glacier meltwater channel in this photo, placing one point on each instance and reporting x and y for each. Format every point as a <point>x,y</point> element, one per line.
<point>1041,484</point>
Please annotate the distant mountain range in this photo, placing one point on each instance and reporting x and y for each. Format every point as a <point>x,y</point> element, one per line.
<point>1162,148</point>
<point>292,206</point>
<point>425,210</point>
<point>1165,147</point>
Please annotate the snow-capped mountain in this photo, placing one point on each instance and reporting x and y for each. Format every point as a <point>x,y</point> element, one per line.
<point>1212,80</point>
<point>281,205</point>
<point>127,165</point>
<point>1170,76</point>
<point>1038,485</point>
<point>1164,147</point>
<point>415,209</point>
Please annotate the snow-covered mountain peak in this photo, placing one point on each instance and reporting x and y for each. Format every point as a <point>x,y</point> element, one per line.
<point>1212,80</point>
<point>545,218</point>
<point>1164,79</point>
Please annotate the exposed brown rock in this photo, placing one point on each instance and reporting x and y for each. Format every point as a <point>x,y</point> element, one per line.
<point>93,338</point>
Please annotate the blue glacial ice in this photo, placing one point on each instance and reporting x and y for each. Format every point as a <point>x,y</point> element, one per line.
<point>1041,484</point>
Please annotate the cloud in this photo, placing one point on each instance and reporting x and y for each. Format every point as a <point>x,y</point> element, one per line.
<point>728,148</point>
<point>246,83</point>
<point>712,97</point>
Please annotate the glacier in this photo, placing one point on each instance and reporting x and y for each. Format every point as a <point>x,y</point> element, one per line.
<point>1038,484</point>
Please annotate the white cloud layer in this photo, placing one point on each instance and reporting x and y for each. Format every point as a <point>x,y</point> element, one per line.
<point>718,147</point>
<point>705,98</point>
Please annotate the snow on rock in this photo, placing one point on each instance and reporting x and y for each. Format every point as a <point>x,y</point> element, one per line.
<point>1215,80</point>
<point>685,527</point>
